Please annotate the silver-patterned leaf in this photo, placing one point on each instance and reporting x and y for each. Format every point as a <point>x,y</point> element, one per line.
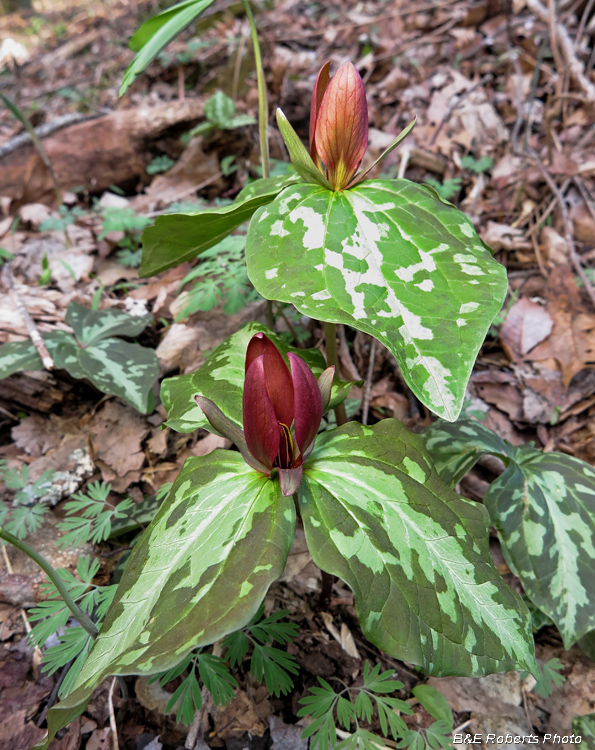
<point>221,379</point>
<point>90,326</point>
<point>543,507</point>
<point>456,448</point>
<point>414,553</point>
<point>17,356</point>
<point>199,572</point>
<point>175,238</point>
<point>391,259</point>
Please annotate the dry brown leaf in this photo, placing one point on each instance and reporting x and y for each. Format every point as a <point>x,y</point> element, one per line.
<point>527,324</point>
<point>572,340</point>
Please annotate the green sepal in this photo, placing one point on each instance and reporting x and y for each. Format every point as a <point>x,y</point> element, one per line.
<point>300,158</point>
<point>175,238</point>
<point>221,379</point>
<point>199,572</point>
<point>391,259</point>
<point>415,554</point>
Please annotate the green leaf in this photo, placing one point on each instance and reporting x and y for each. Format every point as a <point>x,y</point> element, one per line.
<point>175,238</point>
<point>543,507</point>
<point>122,369</point>
<point>389,258</point>
<point>221,379</point>
<point>456,448</point>
<point>274,664</point>
<point>300,158</point>
<point>185,587</point>
<point>584,727</point>
<point>156,33</point>
<point>414,553</point>
<point>91,326</point>
<point>434,702</point>
<point>219,109</point>
<point>550,678</point>
<point>17,356</point>
<point>217,678</point>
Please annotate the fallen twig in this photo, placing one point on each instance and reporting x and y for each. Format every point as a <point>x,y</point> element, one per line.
<point>368,386</point>
<point>112,715</point>
<point>32,330</point>
<point>574,256</point>
<point>575,67</point>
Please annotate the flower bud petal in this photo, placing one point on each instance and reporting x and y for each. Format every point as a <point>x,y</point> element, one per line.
<point>308,403</point>
<point>341,134</point>
<point>261,428</point>
<point>322,82</point>
<point>277,377</point>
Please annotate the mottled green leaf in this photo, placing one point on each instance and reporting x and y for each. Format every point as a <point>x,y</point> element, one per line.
<point>391,259</point>
<point>199,572</point>
<point>122,369</point>
<point>17,356</point>
<point>543,507</point>
<point>156,33</point>
<point>456,448</point>
<point>414,553</point>
<point>175,238</point>
<point>221,379</point>
<point>90,326</point>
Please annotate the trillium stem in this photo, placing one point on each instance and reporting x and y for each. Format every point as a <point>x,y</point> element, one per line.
<point>263,107</point>
<point>52,574</point>
<point>332,358</point>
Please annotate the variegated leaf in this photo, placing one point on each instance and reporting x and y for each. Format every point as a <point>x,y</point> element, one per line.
<point>113,366</point>
<point>456,448</point>
<point>175,238</point>
<point>391,259</point>
<point>90,326</point>
<point>414,553</point>
<point>199,572</point>
<point>221,379</point>
<point>543,507</point>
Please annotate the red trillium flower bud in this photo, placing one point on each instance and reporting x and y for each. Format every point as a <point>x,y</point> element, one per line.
<point>282,410</point>
<point>339,123</point>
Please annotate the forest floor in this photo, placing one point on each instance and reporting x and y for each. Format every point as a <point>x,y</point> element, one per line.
<point>505,132</point>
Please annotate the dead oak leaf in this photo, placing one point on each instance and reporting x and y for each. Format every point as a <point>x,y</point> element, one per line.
<point>572,340</point>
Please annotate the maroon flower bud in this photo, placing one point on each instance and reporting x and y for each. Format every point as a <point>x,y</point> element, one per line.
<point>282,410</point>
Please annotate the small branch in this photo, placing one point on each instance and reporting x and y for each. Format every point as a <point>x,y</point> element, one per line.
<point>288,324</point>
<point>32,330</point>
<point>112,715</point>
<point>566,46</point>
<point>574,256</point>
<point>368,386</point>
<point>332,358</point>
<point>84,620</point>
<point>346,361</point>
<point>459,99</point>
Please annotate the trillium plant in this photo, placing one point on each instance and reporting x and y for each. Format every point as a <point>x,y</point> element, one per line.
<point>387,257</point>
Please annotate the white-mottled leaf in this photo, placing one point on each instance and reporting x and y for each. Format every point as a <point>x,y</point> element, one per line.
<point>199,572</point>
<point>90,326</point>
<point>391,259</point>
<point>414,553</point>
<point>543,507</point>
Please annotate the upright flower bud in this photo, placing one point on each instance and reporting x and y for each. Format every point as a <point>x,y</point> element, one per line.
<point>340,133</point>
